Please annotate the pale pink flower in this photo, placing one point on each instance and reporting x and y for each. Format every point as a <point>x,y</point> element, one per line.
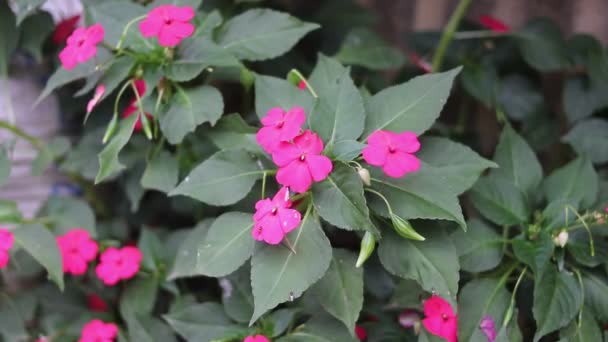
<point>118,264</point>
<point>99,91</point>
<point>274,219</point>
<point>81,45</point>
<point>77,250</point>
<point>280,126</point>
<point>394,152</point>
<point>301,162</point>
<point>170,23</point>
<point>440,319</point>
<point>98,331</point>
<point>487,327</point>
<point>256,338</point>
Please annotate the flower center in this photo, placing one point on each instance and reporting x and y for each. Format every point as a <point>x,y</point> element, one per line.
<point>274,211</point>
<point>74,250</point>
<point>444,317</point>
<point>168,21</point>
<point>80,42</point>
<point>303,157</point>
<point>391,149</point>
<point>280,124</point>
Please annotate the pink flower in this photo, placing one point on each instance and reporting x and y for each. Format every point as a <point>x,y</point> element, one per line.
<point>169,23</point>
<point>81,46</point>
<point>487,326</point>
<point>7,240</point>
<point>302,85</point>
<point>360,332</point>
<point>96,304</point>
<point>98,331</point>
<point>133,107</point>
<point>77,249</point>
<point>420,62</point>
<point>256,338</point>
<point>273,219</point>
<point>493,24</point>
<point>64,29</point>
<point>118,264</point>
<point>301,162</point>
<point>99,91</point>
<point>280,126</point>
<point>440,319</point>
<point>393,152</point>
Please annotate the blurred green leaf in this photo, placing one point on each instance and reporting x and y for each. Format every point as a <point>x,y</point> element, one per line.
<point>478,299</point>
<point>499,200</point>
<point>41,245</point>
<point>480,248</point>
<point>576,181</point>
<point>271,92</point>
<point>161,173</point>
<point>542,45</point>
<point>236,294</point>
<point>519,98</point>
<point>590,137</point>
<point>109,164</point>
<point>204,322</point>
<point>365,48</point>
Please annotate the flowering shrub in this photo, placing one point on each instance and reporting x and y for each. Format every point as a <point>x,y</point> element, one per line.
<point>221,203</point>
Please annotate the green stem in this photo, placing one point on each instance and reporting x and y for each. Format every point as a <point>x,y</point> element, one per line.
<point>388,206</point>
<point>126,29</point>
<point>37,143</point>
<point>512,305</point>
<point>142,114</point>
<point>448,33</point>
<point>478,34</point>
<point>264,185</point>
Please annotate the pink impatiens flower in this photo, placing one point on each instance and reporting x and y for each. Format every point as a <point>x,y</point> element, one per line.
<point>98,331</point>
<point>393,152</point>
<point>99,91</point>
<point>65,28</point>
<point>274,219</point>
<point>280,126</point>
<point>493,24</point>
<point>81,46</point>
<point>77,250</point>
<point>133,107</point>
<point>170,23</point>
<point>360,332</point>
<point>256,338</point>
<point>440,319</point>
<point>301,162</point>
<point>6,243</point>
<point>487,327</point>
<point>118,264</point>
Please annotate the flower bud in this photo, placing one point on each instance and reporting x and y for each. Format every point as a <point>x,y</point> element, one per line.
<point>561,239</point>
<point>365,176</point>
<point>409,319</point>
<point>405,229</point>
<point>112,126</point>
<point>368,244</point>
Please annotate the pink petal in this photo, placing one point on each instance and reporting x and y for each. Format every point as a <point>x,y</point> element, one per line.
<point>4,258</point>
<point>68,58</point>
<point>262,207</point>
<point>99,91</point>
<point>256,232</point>
<point>296,176</point>
<point>488,328</point>
<point>407,142</point>
<point>449,330</point>
<point>285,153</point>
<point>290,219</point>
<point>132,254</point>
<point>182,13</point>
<point>282,198</point>
<point>180,30</point>
<point>88,250</point>
<point>302,85</point>
<point>151,26</point>
<point>271,230</point>
<point>76,265</point>
<point>296,116</point>
<point>107,274</point>
<point>437,306</point>
<point>379,138</point>
<point>6,239</point>
<point>268,138</point>
<point>309,142</point>
<point>273,116</point>
<point>95,34</point>
<point>167,38</point>
<point>433,324</point>
<point>398,164</point>
<point>319,166</point>
<point>375,154</point>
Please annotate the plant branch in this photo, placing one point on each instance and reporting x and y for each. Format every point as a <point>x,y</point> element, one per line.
<point>448,34</point>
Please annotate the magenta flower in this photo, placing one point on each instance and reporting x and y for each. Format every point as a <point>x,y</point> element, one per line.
<point>256,338</point>
<point>301,162</point>
<point>273,219</point>
<point>487,327</point>
<point>81,46</point>
<point>493,24</point>
<point>170,23</point>
<point>99,91</point>
<point>133,107</point>
<point>118,264</point>
<point>360,332</point>
<point>98,331</point>
<point>440,318</point>
<point>77,250</point>
<point>393,152</point>
<point>7,240</point>
<point>280,126</point>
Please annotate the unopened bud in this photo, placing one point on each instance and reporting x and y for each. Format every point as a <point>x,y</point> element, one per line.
<point>405,229</point>
<point>365,176</point>
<point>409,318</point>
<point>600,218</point>
<point>561,239</point>
<point>111,129</point>
<point>368,244</point>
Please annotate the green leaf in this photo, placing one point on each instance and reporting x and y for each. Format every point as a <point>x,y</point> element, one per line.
<point>232,132</point>
<point>480,248</point>
<point>9,36</point>
<point>339,199</point>
<point>340,291</point>
<point>5,166</point>
<point>15,313</point>
<point>278,275</point>
<point>596,287</point>
<point>260,34</point>
<point>34,31</point>
<point>456,163</point>
<point>579,248</point>
<point>478,299</point>
<point>62,76</point>
<point>339,113</point>
<point>152,248</point>
<point>481,81</point>
<point>186,259</point>
<point>517,162</point>
<point>347,150</point>
<point>590,137</point>
<point>204,322</point>
<point>82,158</point>
<point>161,173</point>
<point>411,106</point>
<point>499,200</point>
<point>67,213</point>
<point>9,212</point>
<point>108,157</point>
<point>190,108</point>
<point>432,263</point>
<point>236,294</point>
<point>223,179</point>
<point>535,254</point>
<point>557,299</point>
<point>519,98</point>
<point>114,15</point>
<point>139,297</point>
<point>320,328</point>
<point>148,329</point>
<point>581,98</point>
<point>542,45</point>
<point>419,195</point>
<point>23,8</point>
<point>271,92</point>
<point>52,150</point>
<point>407,294</point>
<point>576,181</point>
<point>365,48</point>
<point>588,331</point>
<point>41,245</point>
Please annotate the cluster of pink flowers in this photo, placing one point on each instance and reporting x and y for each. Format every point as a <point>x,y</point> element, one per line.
<point>6,243</point>
<point>78,250</point>
<point>98,331</point>
<point>169,23</point>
